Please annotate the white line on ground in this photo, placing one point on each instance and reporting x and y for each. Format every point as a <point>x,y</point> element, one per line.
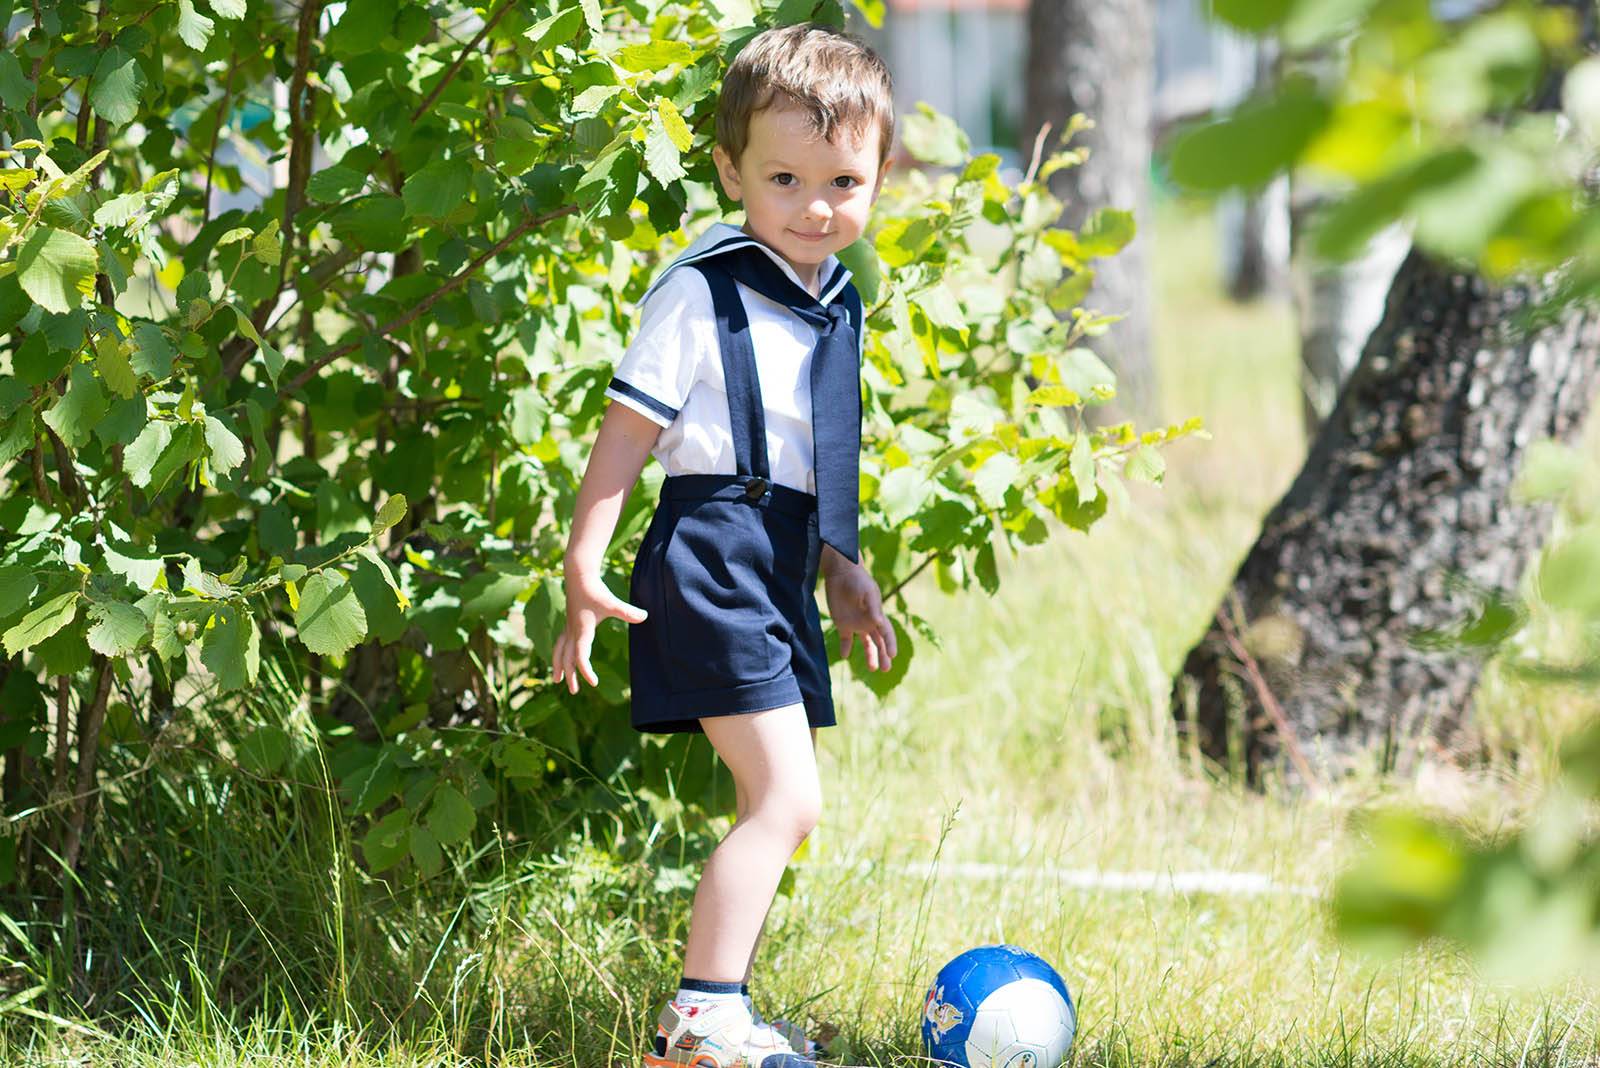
<point>1235,883</point>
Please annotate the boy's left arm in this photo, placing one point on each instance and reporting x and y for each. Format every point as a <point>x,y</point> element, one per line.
<point>856,606</point>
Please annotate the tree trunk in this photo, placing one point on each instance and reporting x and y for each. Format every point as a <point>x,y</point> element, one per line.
<point>1098,57</point>
<point>1253,224</point>
<point>1407,484</point>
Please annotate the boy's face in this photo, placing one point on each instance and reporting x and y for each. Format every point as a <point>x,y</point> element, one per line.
<point>805,197</point>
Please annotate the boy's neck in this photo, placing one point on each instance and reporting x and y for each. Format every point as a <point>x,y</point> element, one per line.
<point>808,273</point>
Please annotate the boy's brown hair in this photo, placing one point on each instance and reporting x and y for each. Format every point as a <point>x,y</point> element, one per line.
<point>834,78</point>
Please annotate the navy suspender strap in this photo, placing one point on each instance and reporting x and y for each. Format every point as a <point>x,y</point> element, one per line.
<point>746,412</point>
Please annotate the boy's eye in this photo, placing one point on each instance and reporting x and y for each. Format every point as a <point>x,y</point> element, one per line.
<point>847,179</point>
<point>780,176</point>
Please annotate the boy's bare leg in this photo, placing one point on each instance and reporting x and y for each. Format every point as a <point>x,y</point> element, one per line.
<point>777,773</point>
<point>739,806</point>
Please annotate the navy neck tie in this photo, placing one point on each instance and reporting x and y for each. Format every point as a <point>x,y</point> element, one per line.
<point>835,393</point>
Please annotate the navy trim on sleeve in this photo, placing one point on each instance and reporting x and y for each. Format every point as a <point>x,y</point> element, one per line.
<point>665,411</point>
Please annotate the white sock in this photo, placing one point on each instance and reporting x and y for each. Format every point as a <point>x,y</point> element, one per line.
<point>697,992</point>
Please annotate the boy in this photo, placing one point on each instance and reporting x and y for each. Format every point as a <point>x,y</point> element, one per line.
<point>744,382</point>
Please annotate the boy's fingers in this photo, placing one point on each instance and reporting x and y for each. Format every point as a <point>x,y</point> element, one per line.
<point>628,613</point>
<point>585,642</point>
<point>872,652</point>
<point>556,656</point>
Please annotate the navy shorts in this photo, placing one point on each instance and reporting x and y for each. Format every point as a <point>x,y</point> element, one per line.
<point>728,573</point>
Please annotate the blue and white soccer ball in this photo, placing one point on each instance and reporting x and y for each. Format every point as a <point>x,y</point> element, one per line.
<point>998,1007</point>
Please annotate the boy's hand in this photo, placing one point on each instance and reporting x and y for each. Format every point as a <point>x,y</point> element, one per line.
<point>588,602</point>
<point>857,610</point>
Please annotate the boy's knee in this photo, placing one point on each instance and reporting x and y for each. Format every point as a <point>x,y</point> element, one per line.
<point>793,814</point>
<point>805,815</point>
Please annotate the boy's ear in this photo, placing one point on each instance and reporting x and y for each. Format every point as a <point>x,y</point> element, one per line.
<point>883,172</point>
<point>727,173</point>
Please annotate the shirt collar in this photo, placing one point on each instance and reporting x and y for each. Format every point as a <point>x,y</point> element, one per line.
<point>721,236</point>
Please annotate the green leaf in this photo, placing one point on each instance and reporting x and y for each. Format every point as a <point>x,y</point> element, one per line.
<point>997,475</point>
<point>1262,137</point>
<point>655,56</point>
<point>661,157</point>
<point>438,189</point>
<point>16,586</point>
<point>903,492</point>
<point>558,29</point>
<point>934,138</point>
<point>451,817</point>
<point>372,783</point>
<point>15,88</point>
<point>42,622</point>
<point>228,9</point>
<point>381,598</point>
<point>74,415</point>
<point>56,268</point>
<point>1146,465</point>
<point>1252,15</point>
<point>227,451</point>
<point>881,682</point>
<point>332,184</point>
<point>363,26</point>
<point>592,99</point>
<point>231,649</point>
<point>592,16</point>
<point>393,510</point>
<point>141,571</point>
<point>1082,466</point>
<point>152,352</point>
<point>17,437</point>
<point>116,87</point>
<point>1054,396</point>
<point>271,358</point>
<point>164,637</point>
<point>330,618</point>
<point>264,750</point>
<point>388,840</point>
<point>425,851</point>
<point>488,595</point>
<point>1087,375</point>
<point>111,360</point>
<point>530,415</point>
<point>672,122</point>
<point>118,628</point>
<point>139,459</point>
<point>1106,232</point>
<point>193,27</point>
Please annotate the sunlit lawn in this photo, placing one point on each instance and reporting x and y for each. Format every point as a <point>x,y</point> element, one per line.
<point>1023,785</point>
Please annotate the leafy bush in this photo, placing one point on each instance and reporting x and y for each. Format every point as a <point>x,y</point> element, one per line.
<point>325,447</point>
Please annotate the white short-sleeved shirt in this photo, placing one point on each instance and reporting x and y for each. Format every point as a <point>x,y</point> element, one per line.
<point>672,374</point>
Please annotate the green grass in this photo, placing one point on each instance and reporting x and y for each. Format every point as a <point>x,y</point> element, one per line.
<point>1036,739</point>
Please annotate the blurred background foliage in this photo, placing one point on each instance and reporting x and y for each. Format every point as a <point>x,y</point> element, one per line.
<point>1478,133</point>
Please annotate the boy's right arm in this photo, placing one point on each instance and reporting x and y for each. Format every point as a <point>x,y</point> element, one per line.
<point>620,451</point>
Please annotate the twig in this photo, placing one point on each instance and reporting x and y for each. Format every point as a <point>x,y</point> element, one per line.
<point>1038,153</point>
<point>1291,741</point>
<point>88,749</point>
<point>460,59</point>
<point>455,282</point>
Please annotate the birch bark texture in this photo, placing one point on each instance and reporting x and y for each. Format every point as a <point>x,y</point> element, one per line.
<point>1098,57</point>
<point>1406,490</point>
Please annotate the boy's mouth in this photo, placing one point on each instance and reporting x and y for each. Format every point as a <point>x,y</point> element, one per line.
<point>808,237</point>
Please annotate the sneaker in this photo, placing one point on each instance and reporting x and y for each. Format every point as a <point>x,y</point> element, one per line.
<point>792,1034</point>
<point>721,1035</point>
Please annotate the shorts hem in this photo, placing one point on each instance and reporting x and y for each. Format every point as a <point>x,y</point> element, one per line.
<point>681,712</point>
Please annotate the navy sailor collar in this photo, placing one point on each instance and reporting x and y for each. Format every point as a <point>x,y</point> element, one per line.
<point>721,237</point>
